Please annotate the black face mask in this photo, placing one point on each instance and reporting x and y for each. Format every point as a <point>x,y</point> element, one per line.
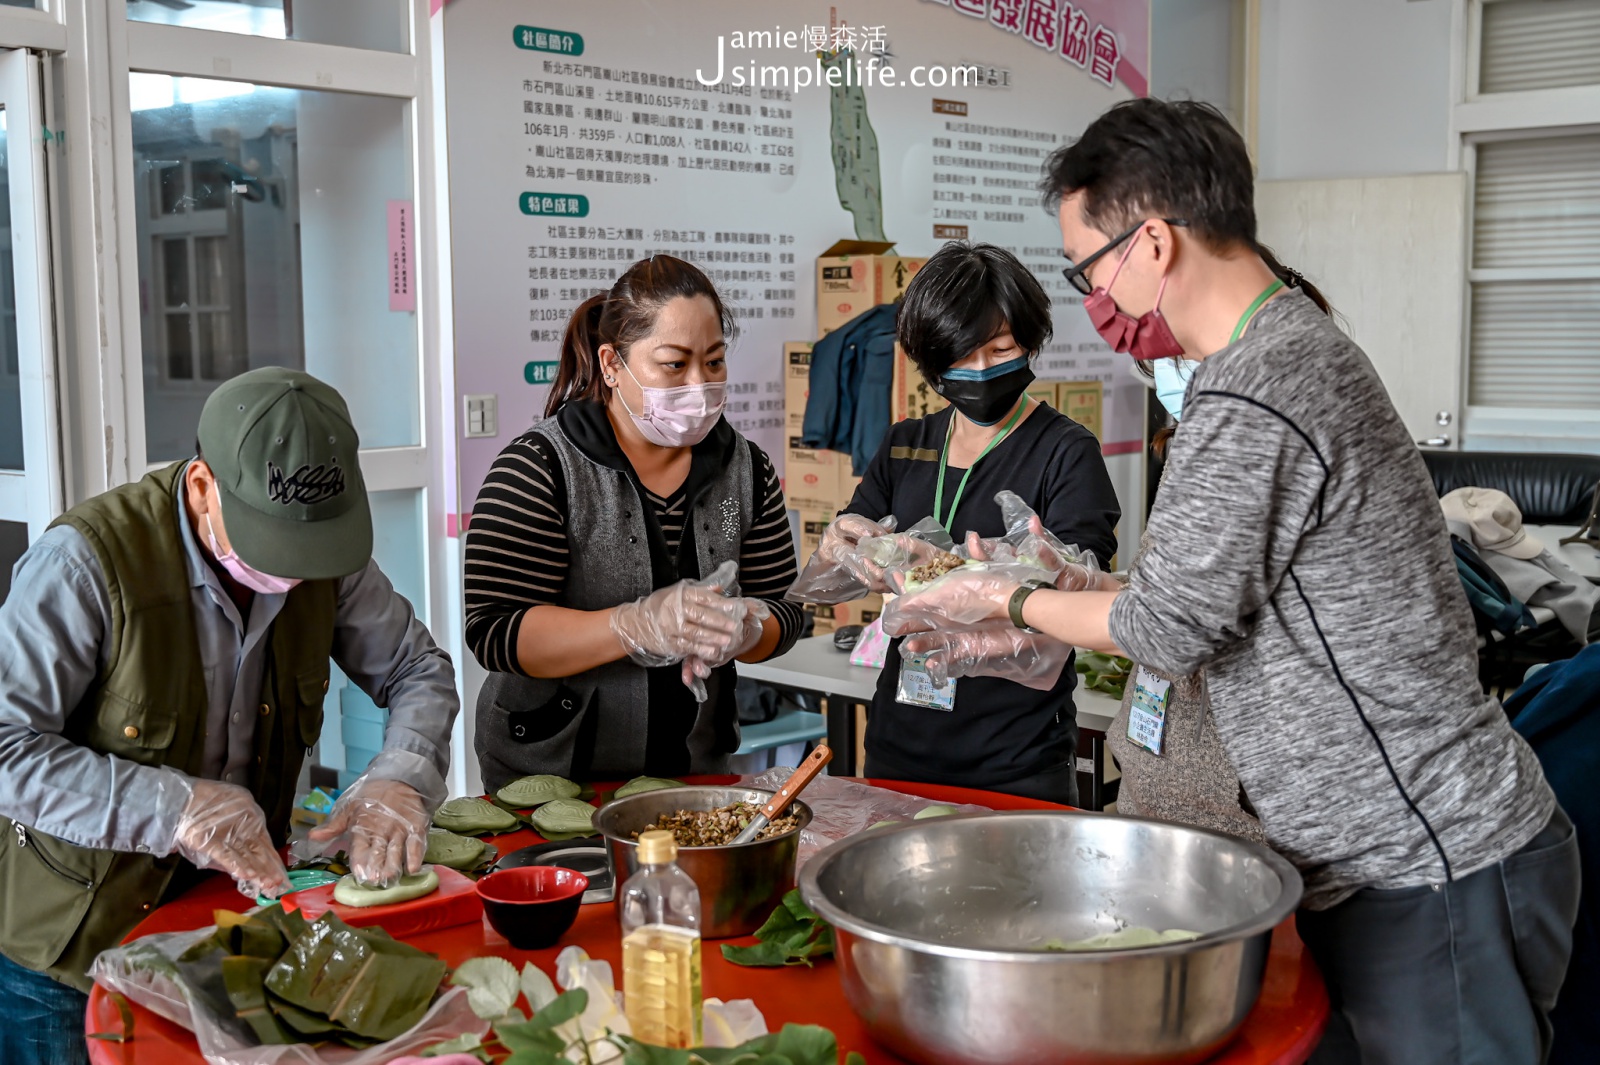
<point>985,396</point>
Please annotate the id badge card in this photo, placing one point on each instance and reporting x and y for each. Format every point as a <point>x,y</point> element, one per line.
<point>916,688</point>
<point>1147,712</point>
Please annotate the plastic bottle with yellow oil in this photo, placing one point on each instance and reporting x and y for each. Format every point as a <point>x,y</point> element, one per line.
<point>660,911</point>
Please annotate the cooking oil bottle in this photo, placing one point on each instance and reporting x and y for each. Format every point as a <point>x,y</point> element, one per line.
<point>660,912</point>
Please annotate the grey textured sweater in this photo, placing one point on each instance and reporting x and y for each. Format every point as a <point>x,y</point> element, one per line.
<point>1297,552</point>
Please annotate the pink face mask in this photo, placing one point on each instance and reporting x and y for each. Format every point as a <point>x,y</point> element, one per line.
<point>253,579</point>
<point>678,417</point>
<point>1146,337</point>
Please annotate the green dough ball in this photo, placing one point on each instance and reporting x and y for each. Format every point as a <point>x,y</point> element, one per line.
<point>640,785</point>
<point>933,811</point>
<point>564,817</point>
<point>453,851</point>
<point>881,824</point>
<point>412,886</point>
<point>474,817</point>
<point>536,790</point>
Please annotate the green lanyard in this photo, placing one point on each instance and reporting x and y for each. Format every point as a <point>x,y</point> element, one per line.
<point>1250,312</point>
<point>938,492</point>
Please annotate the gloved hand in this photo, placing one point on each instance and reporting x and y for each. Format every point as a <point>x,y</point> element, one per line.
<point>1072,570</point>
<point>697,669</point>
<point>867,550</point>
<point>993,648</point>
<point>687,619</point>
<point>382,825</point>
<point>960,599</point>
<point>222,827</point>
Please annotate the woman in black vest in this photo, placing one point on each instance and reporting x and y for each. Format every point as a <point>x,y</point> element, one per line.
<point>595,539</point>
<point>972,320</point>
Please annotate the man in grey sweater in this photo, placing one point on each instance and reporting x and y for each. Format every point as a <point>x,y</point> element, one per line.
<point>1298,554</point>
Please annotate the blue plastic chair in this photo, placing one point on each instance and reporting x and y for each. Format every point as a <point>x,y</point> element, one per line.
<point>791,726</point>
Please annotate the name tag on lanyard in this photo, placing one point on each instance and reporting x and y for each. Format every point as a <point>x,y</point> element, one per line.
<point>917,688</point>
<point>1147,711</point>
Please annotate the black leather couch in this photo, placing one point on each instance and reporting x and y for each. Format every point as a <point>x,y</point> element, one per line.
<point>1549,489</point>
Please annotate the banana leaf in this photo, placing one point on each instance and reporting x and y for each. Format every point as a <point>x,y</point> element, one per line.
<point>372,985</point>
<point>242,977</point>
<point>200,972</point>
<point>308,1025</point>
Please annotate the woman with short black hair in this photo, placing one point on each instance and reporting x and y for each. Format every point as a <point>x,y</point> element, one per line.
<point>973,320</point>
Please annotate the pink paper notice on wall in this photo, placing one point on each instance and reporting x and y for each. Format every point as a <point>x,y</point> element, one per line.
<point>402,257</point>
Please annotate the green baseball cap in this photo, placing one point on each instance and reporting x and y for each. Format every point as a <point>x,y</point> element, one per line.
<point>286,461</point>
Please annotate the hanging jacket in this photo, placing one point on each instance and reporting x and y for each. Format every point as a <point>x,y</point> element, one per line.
<point>852,375</point>
<point>1558,712</point>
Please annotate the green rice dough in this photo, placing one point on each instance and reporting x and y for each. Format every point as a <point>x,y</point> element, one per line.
<point>1124,939</point>
<point>536,790</point>
<point>474,817</point>
<point>564,818</point>
<point>640,785</point>
<point>347,892</point>
<point>453,851</point>
<point>933,811</point>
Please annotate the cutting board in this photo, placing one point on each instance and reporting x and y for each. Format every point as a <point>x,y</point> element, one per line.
<point>455,903</point>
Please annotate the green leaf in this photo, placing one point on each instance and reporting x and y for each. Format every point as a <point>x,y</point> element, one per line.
<point>637,1053</point>
<point>854,1058</point>
<point>126,1035</point>
<point>807,1044</point>
<point>761,955</point>
<point>563,1008</point>
<point>529,1036</point>
<point>491,984</point>
<point>536,1057</point>
<point>797,906</point>
<point>537,987</point>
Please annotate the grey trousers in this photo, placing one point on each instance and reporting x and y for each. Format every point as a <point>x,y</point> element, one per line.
<point>1465,973</point>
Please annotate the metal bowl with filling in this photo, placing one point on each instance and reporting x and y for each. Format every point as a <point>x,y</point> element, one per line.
<point>949,935</point>
<point>739,886</point>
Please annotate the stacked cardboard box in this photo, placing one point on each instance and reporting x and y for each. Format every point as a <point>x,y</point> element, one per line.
<point>854,276</point>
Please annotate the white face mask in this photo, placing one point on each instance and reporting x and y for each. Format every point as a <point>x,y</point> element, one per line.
<point>1172,381</point>
<point>677,417</point>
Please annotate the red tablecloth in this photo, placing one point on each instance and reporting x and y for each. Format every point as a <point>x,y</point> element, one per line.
<point>1282,1030</point>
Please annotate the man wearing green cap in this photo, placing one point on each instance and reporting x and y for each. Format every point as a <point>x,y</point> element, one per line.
<point>165,653</point>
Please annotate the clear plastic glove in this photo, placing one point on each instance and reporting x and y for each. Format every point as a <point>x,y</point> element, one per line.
<point>857,555</point>
<point>382,825</point>
<point>690,619</point>
<point>222,827</point>
<point>1048,554</point>
<point>960,599</point>
<point>697,669</point>
<point>992,649</point>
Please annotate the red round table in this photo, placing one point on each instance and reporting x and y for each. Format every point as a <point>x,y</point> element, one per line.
<point>1283,1029</point>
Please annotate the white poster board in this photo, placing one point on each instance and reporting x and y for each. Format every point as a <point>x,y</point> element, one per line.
<point>581,139</point>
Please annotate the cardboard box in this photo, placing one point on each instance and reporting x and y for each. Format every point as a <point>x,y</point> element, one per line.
<point>796,385</point>
<point>856,275</point>
<point>811,478</point>
<point>812,523</point>
<point>1044,392</point>
<point>821,618</point>
<point>912,396</point>
<point>861,612</point>
<point>1084,403</point>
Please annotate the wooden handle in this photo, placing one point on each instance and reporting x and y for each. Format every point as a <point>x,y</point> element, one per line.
<point>797,781</point>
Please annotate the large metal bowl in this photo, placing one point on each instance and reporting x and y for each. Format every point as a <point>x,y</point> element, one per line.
<point>941,927</point>
<point>739,886</point>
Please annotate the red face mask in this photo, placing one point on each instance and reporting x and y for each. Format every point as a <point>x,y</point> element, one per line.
<point>1146,337</point>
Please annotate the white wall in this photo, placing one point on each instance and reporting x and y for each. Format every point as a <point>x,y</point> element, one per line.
<point>1354,88</point>
<point>1192,45</point>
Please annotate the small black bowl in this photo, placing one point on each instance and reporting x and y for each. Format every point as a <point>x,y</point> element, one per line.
<point>532,906</point>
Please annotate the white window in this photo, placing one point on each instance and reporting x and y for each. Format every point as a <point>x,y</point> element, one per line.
<point>1529,132</point>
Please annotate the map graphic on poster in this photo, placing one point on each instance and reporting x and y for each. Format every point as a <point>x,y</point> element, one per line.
<point>583,137</point>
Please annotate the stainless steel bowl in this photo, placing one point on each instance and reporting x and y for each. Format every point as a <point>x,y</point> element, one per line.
<point>942,925</point>
<point>739,886</point>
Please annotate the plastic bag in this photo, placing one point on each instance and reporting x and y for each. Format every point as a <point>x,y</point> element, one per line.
<point>856,553</point>
<point>842,807</point>
<point>1026,542</point>
<point>144,971</point>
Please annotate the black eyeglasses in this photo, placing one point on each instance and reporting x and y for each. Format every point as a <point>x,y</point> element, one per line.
<point>1074,272</point>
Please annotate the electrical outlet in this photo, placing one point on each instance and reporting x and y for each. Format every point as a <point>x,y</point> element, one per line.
<point>482,416</point>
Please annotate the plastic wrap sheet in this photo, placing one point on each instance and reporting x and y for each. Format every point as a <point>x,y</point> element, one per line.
<point>143,971</point>
<point>842,807</point>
